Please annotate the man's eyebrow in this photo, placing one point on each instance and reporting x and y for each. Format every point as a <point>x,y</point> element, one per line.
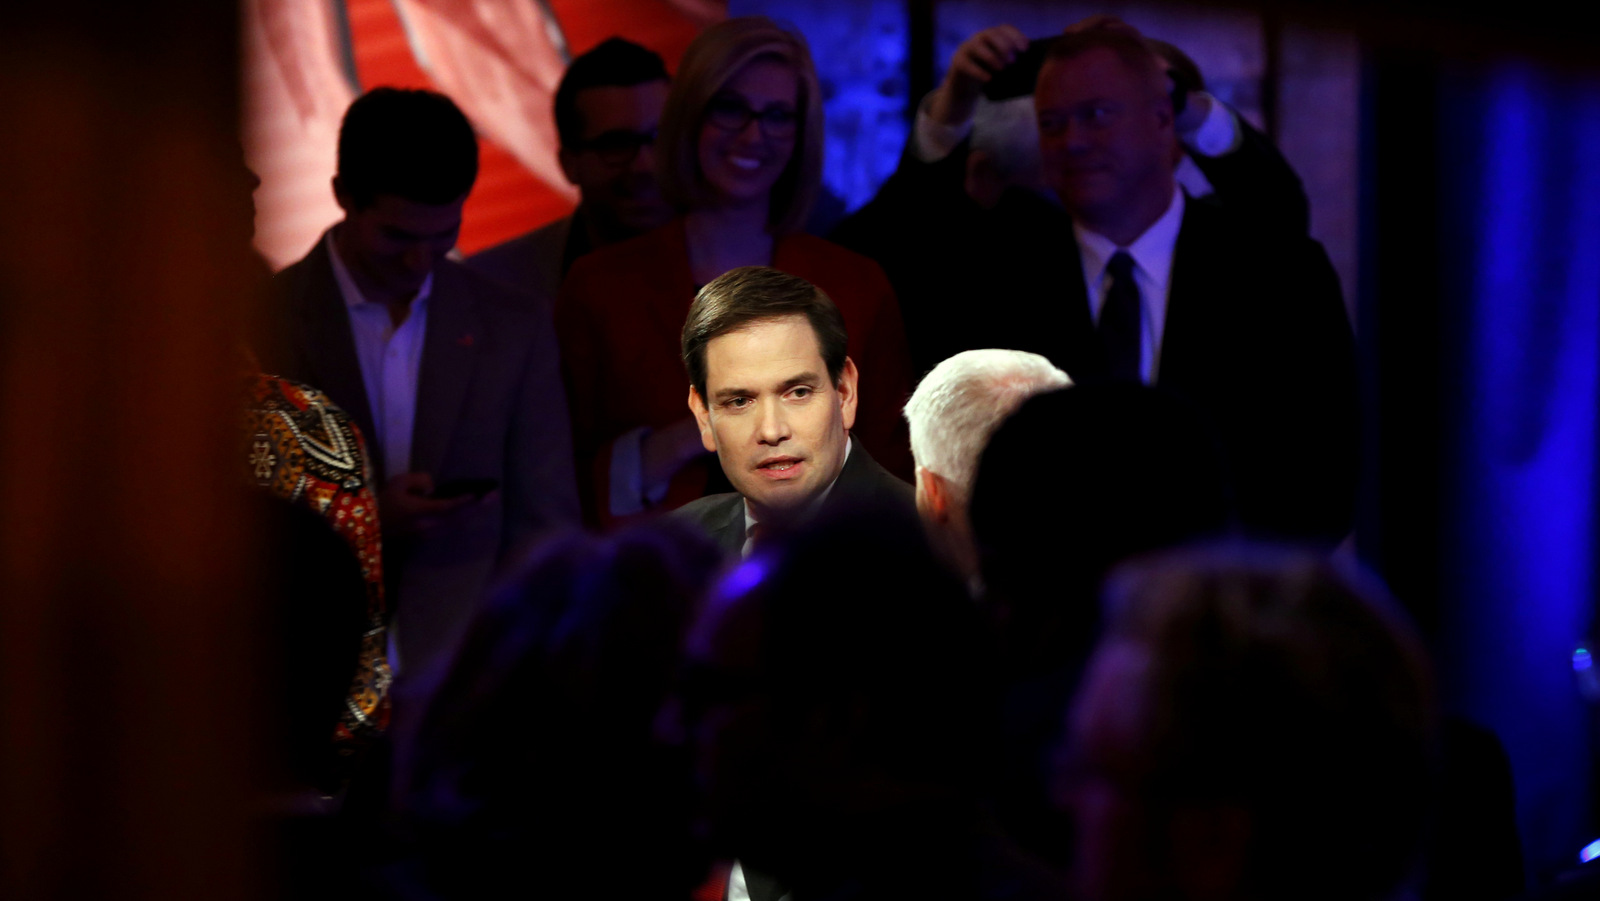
<point>804,378</point>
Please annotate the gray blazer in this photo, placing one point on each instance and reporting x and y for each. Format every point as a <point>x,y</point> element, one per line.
<point>490,404</point>
<point>861,482</point>
<point>531,262</point>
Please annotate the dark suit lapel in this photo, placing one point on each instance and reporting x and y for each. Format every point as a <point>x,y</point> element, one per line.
<point>330,356</point>
<point>855,477</point>
<point>450,351</point>
<point>1193,314</point>
<point>762,886</point>
<point>729,531</point>
<point>863,480</point>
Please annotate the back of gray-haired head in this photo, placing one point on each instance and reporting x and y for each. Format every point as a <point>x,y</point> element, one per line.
<point>961,401</point>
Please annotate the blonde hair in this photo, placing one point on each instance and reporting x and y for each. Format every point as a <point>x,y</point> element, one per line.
<point>707,66</point>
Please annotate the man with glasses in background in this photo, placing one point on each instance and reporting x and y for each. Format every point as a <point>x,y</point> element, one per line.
<point>606,108</point>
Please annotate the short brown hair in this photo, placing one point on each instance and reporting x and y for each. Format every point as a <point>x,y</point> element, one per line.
<point>711,61</point>
<point>407,142</point>
<point>749,294</point>
<point>1135,52</point>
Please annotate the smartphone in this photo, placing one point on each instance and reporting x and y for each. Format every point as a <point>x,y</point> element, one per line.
<point>1018,79</point>
<point>475,488</point>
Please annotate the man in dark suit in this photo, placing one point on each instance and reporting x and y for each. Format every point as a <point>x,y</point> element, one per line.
<point>1244,322</point>
<point>1235,309</point>
<point>454,379</point>
<point>775,397</point>
<point>970,181</point>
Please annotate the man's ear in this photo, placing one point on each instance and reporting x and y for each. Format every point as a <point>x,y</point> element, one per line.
<point>933,495</point>
<point>984,182</point>
<point>847,393</point>
<point>1165,115</point>
<point>342,196</point>
<point>703,417</point>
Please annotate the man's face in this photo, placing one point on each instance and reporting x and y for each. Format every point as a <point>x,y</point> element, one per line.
<point>394,244</point>
<point>614,167</point>
<point>1105,133</point>
<point>778,425</point>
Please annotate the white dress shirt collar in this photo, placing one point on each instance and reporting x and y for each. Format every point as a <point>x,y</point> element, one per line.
<point>1152,254</point>
<point>390,357</point>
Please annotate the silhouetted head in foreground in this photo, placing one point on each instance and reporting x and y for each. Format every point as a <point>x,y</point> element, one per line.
<point>1075,482</point>
<point>834,694</point>
<point>538,753</point>
<point>1255,723</point>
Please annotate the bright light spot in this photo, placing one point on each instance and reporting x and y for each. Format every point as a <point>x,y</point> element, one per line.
<point>748,575</point>
<point>1590,851</point>
<point>1581,659</point>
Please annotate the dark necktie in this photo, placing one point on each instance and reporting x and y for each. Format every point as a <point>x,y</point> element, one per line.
<point>1119,320</point>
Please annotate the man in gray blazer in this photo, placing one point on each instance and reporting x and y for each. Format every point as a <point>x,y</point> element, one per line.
<point>775,397</point>
<point>454,379</point>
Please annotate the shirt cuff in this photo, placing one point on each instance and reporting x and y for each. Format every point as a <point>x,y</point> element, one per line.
<point>933,141</point>
<point>627,473</point>
<point>1219,134</point>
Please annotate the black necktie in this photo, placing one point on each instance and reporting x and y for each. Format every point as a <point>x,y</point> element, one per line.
<point>1119,320</point>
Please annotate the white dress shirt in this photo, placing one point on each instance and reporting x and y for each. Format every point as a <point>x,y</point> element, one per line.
<point>739,890</point>
<point>1152,271</point>
<point>390,360</point>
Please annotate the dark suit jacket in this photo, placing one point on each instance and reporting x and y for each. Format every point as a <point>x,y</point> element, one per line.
<point>1256,335</point>
<point>862,482</point>
<point>537,261</point>
<point>942,251</point>
<point>1256,339</point>
<point>489,404</point>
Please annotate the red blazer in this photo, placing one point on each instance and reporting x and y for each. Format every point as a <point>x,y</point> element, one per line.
<point>620,318</point>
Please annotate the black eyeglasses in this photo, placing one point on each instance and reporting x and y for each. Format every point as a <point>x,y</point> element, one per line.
<point>729,113</point>
<point>619,146</point>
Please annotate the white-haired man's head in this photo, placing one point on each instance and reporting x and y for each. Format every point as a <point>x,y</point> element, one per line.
<point>1005,151</point>
<point>954,410</point>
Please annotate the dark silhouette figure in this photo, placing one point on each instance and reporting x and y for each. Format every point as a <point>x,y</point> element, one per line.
<point>538,768</point>
<point>837,692</point>
<point>1076,481</point>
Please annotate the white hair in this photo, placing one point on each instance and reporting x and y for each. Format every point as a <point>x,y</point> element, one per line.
<point>964,399</point>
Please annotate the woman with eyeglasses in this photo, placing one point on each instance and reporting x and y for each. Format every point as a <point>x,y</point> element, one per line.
<point>740,157</point>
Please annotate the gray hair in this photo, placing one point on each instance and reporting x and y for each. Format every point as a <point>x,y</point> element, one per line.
<point>1009,132</point>
<point>961,401</point>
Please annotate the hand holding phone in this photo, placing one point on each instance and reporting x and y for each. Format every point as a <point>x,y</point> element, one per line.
<point>1018,78</point>
<point>977,61</point>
